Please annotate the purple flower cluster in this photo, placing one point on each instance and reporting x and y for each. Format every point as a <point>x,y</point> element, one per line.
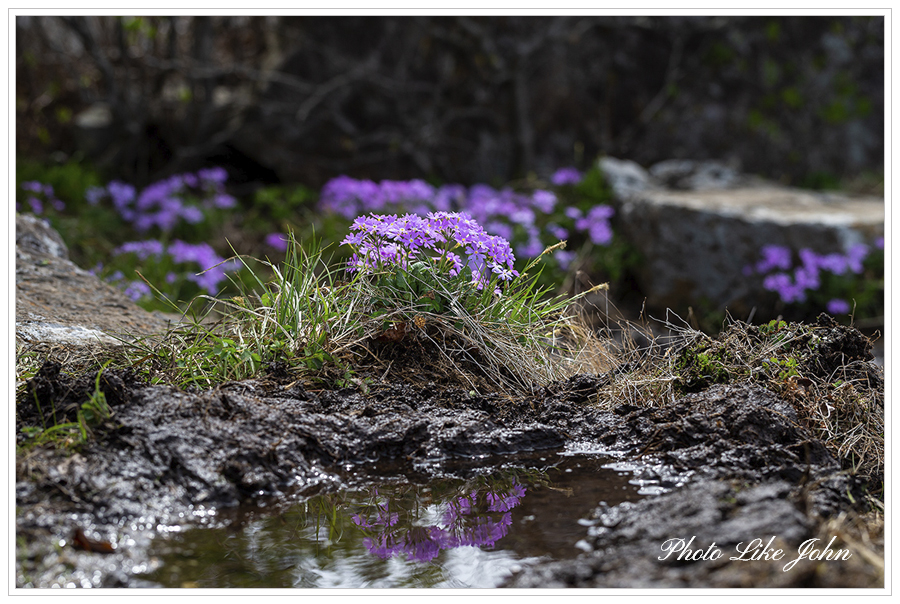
<point>350,197</point>
<point>595,223</point>
<point>506,213</point>
<point>566,176</point>
<point>381,242</point>
<point>165,203</point>
<point>278,241</point>
<point>462,526</point>
<point>212,267</point>
<point>792,282</point>
<point>39,197</point>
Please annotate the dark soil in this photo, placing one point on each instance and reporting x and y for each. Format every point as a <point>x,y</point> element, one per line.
<point>750,467</point>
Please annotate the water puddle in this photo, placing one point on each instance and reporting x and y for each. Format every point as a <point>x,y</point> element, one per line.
<point>467,531</point>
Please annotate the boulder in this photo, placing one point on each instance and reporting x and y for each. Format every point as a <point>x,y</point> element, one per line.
<point>58,302</point>
<point>698,225</point>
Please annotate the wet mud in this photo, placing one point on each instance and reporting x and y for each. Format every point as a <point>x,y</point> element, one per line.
<point>732,463</point>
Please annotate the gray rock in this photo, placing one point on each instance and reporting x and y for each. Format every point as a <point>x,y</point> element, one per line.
<point>625,176</point>
<point>697,243</point>
<point>58,302</point>
<point>694,175</point>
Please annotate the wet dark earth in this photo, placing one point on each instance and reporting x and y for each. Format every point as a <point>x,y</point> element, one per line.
<point>262,483</point>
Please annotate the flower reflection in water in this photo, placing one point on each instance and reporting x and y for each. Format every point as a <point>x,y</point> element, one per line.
<point>478,519</point>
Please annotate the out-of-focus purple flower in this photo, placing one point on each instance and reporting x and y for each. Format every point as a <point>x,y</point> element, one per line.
<point>215,175</point>
<point>774,256</point>
<point>806,277</point>
<point>557,231</point>
<point>596,223</point>
<point>573,213</point>
<point>449,198</point>
<point>879,243</point>
<point>93,195</point>
<point>33,186</point>
<point>224,201</point>
<point>212,266</point>
<point>544,201</point>
<point>786,289</point>
<point>855,256</point>
<point>171,278</point>
<point>137,290</point>
<point>566,176</point>
<point>278,241</point>
<point>531,249</point>
<point>834,263</point>
<point>192,215</point>
<point>499,228</point>
<point>142,249</point>
<point>837,306</point>
<point>37,206</point>
<point>564,258</point>
<point>122,194</point>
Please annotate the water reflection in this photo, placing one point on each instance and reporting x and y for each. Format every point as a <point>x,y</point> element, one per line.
<point>450,532</point>
<point>473,519</point>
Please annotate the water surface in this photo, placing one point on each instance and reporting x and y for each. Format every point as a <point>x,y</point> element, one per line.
<point>451,532</point>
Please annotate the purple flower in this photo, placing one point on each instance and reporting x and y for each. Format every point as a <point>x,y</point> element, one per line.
<point>774,256</point>
<point>499,228</point>
<point>855,256</point>
<point>212,266</point>
<point>224,201</point>
<point>215,175</point>
<point>573,213</point>
<point>94,195</point>
<point>838,306</point>
<point>33,186</point>
<point>786,289</point>
<point>566,176</point>
<point>142,249</point>
<point>36,204</point>
<point>807,278</point>
<point>192,214</point>
<point>596,223</point>
<point>532,249</point>
<point>879,243</point>
<point>382,241</point>
<point>564,258</point>
<point>278,241</point>
<point>137,290</point>
<point>544,201</point>
<point>557,231</point>
<point>834,263</point>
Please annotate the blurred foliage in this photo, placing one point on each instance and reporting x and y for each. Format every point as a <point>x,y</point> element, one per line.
<point>285,100</point>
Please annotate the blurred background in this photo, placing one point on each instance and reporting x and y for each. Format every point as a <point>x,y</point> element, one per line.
<point>285,105</point>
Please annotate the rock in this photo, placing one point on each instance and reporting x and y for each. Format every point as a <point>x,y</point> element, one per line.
<point>694,175</point>
<point>60,303</point>
<point>625,176</point>
<point>696,243</point>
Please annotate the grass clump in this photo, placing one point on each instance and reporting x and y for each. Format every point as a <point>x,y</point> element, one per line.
<point>823,369</point>
<point>436,288</point>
